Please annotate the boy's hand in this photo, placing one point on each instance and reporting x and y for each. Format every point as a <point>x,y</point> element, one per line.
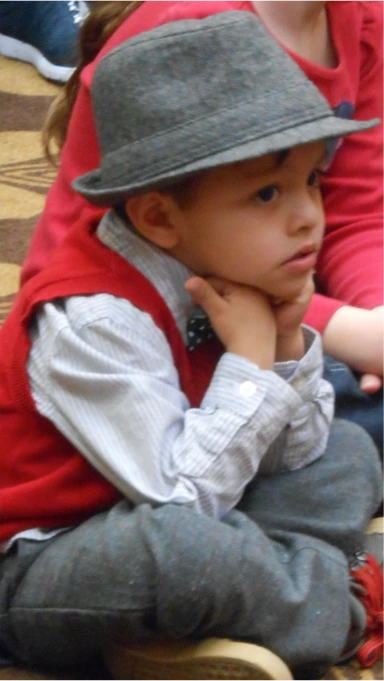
<point>289,315</point>
<point>241,316</point>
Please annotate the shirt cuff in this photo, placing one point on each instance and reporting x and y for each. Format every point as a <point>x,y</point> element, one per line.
<point>304,375</point>
<point>240,386</point>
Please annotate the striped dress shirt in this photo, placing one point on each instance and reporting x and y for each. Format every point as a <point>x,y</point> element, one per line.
<point>103,373</point>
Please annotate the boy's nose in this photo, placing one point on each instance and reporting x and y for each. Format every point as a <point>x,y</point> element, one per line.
<point>307,214</point>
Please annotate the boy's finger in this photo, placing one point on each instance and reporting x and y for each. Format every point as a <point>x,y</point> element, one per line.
<point>221,286</point>
<point>203,294</point>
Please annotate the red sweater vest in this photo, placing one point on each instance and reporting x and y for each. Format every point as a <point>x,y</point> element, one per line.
<point>44,480</point>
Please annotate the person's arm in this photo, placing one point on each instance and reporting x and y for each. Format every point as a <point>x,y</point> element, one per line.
<point>111,388</point>
<point>298,360</point>
<point>308,431</point>
<point>355,337</point>
<point>300,353</point>
<point>350,267</point>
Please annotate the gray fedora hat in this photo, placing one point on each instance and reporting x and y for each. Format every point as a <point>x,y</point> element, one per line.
<point>192,95</point>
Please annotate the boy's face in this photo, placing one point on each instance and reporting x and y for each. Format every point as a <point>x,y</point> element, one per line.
<point>257,222</point>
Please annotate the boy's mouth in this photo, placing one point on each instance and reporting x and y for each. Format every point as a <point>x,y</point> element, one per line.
<point>304,259</point>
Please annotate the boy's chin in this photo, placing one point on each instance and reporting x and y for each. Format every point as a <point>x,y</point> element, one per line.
<point>286,292</point>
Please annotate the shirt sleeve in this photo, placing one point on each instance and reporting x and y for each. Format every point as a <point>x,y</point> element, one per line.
<point>111,388</point>
<point>307,432</point>
<point>350,266</point>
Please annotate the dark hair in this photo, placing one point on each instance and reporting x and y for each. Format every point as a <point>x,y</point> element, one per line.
<point>182,192</point>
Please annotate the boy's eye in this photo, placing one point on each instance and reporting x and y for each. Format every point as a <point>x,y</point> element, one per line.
<point>267,194</point>
<point>314,178</point>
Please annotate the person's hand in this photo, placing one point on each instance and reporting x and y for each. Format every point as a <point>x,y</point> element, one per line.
<point>355,336</point>
<point>371,383</point>
<point>240,315</point>
<point>289,315</point>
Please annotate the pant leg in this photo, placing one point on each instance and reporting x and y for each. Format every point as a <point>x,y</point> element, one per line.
<point>333,499</point>
<point>127,575</point>
<point>352,403</point>
<point>131,574</point>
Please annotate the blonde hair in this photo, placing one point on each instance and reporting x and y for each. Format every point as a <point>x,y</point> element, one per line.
<point>103,20</point>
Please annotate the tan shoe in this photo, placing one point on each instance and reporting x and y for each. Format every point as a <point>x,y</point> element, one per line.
<point>212,658</point>
<point>374,539</point>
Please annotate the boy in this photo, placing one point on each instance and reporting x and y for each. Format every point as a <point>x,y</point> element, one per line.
<point>127,452</point>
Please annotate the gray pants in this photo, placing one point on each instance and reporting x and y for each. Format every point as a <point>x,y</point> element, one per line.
<point>274,571</point>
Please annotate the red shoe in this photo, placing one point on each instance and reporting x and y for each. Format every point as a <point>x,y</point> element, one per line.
<point>367,584</point>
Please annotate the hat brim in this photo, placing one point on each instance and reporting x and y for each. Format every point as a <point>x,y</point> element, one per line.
<point>101,192</point>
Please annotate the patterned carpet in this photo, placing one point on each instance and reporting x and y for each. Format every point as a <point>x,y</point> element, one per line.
<point>25,176</point>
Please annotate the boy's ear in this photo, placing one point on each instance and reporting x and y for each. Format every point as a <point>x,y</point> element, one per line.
<point>154,215</point>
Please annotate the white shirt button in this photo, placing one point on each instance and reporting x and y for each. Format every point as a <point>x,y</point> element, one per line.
<point>247,389</point>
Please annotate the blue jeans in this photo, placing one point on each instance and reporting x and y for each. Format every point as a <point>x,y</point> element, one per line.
<point>352,404</point>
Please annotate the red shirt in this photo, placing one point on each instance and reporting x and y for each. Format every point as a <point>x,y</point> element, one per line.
<point>350,266</point>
